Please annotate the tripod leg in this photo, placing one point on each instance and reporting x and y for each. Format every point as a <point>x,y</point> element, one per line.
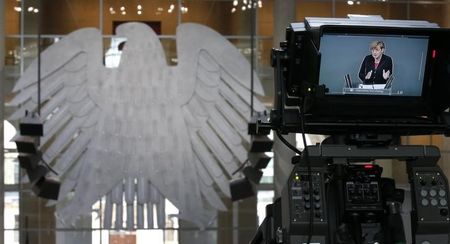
<point>356,228</point>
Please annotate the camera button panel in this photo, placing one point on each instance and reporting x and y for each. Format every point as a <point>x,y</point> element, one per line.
<point>431,196</point>
<point>301,198</point>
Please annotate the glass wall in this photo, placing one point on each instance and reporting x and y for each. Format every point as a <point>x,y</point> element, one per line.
<point>31,220</point>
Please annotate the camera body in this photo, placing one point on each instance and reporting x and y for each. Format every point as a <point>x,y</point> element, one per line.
<point>330,79</point>
<point>349,202</point>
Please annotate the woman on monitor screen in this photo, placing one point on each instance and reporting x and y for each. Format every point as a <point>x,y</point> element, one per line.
<point>376,69</point>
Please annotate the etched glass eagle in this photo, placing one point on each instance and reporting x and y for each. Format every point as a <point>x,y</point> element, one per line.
<point>143,131</point>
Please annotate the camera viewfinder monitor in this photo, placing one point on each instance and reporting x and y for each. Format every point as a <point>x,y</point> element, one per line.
<point>373,64</point>
<point>380,72</point>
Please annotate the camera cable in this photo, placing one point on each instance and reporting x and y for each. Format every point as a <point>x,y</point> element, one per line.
<point>305,156</point>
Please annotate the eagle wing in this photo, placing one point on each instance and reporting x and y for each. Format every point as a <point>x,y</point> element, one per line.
<point>216,106</point>
<point>71,74</point>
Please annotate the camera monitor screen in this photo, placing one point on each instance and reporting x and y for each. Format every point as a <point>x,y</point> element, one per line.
<point>381,65</point>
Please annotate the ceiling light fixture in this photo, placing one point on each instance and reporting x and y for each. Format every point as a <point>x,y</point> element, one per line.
<point>247,4</point>
<point>350,2</point>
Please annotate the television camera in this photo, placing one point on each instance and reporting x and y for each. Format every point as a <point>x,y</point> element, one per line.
<point>336,193</point>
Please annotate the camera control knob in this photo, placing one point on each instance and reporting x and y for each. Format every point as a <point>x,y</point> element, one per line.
<point>433,192</point>
<point>434,202</point>
<point>433,182</point>
<point>442,193</point>
<point>423,193</point>
<point>317,206</point>
<point>316,191</point>
<point>307,198</point>
<point>422,182</point>
<point>425,202</point>
<point>307,206</point>
<point>317,198</point>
